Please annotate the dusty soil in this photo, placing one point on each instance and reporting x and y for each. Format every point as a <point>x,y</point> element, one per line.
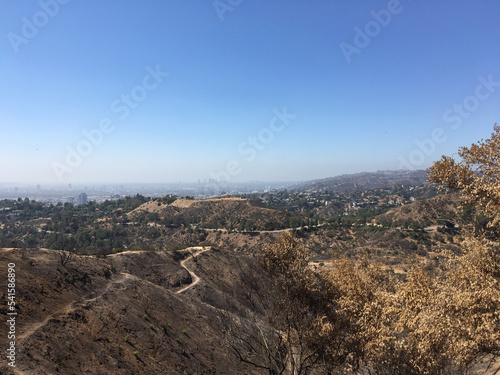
<point>121,314</point>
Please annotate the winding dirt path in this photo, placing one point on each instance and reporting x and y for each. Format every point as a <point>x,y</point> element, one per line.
<point>194,277</point>
<point>30,330</point>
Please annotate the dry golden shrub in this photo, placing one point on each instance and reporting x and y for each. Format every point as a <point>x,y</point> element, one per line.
<point>476,175</point>
<point>358,319</point>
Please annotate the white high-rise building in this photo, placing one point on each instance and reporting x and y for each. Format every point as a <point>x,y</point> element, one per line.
<point>82,198</point>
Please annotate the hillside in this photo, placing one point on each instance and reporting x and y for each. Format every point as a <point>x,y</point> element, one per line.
<point>128,313</point>
<point>367,180</point>
<point>133,223</point>
<point>427,212</point>
<point>197,301</point>
<point>215,213</point>
<point>403,236</point>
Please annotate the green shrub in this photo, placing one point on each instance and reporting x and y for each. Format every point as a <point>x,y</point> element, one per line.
<point>107,273</point>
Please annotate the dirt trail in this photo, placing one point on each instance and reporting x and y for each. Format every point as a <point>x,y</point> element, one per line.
<point>34,327</point>
<point>194,277</point>
<point>224,230</point>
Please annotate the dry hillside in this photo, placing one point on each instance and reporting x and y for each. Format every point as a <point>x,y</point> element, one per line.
<point>123,314</point>
<point>427,212</point>
<point>215,213</point>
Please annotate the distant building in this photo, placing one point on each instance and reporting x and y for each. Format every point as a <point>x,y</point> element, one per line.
<point>82,198</point>
<point>71,200</point>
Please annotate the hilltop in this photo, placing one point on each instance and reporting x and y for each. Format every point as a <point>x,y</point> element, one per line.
<point>214,213</point>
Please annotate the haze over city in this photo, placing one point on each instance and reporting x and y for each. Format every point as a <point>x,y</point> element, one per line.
<point>149,92</point>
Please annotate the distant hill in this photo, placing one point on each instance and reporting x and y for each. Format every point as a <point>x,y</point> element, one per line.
<point>367,180</point>
<point>425,212</point>
<point>215,213</point>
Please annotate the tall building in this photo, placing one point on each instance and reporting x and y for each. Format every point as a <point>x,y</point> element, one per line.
<point>82,198</point>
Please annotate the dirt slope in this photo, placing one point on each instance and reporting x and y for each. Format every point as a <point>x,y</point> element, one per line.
<point>121,314</point>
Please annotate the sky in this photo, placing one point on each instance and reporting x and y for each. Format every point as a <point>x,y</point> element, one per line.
<point>120,91</point>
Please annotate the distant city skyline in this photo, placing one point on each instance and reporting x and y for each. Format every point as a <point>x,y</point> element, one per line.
<point>161,92</point>
<point>82,194</point>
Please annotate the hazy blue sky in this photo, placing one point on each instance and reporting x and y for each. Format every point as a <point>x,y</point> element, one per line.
<point>161,91</point>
